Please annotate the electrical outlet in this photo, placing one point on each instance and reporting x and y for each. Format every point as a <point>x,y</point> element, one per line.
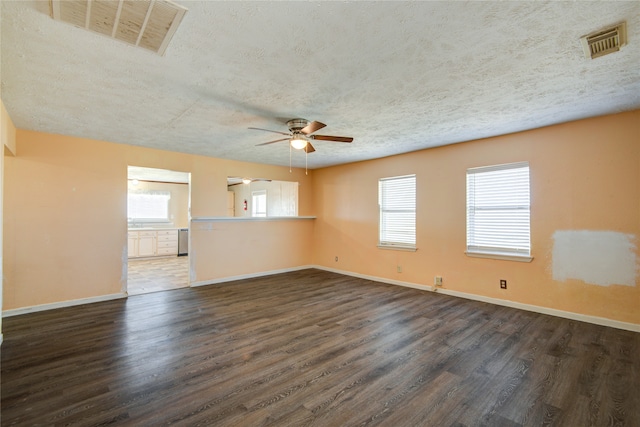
<point>399,268</point>
<point>503,284</point>
<point>437,280</point>
<point>336,259</point>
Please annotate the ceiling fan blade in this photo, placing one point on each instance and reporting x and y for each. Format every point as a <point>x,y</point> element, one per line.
<point>332,138</point>
<point>271,142</point>
<point>312,127</point>
<point>309,148</point>
<point>269,130</point>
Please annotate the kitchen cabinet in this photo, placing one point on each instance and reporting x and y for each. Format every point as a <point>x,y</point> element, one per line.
<point>231,203</point>
<point>133,244</point>
<point>167,243</point>
<point>149,243</point>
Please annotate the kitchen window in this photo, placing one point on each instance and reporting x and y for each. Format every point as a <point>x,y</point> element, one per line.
<point>148,206</point>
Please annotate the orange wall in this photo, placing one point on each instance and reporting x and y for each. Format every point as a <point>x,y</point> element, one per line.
<point>585,175</point>
<point>7,131</point>
<point>8,146</point>
<point>65,216</point>
<point>65,213</point>
<point>225,249</point>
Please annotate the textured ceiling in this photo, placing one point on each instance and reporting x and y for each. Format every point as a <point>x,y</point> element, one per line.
<point>396,76</point>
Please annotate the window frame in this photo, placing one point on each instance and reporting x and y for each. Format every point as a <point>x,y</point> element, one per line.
<point>254,203</point>
<point>516,251</point>
<point>384,240</point>
<point>159,194</point>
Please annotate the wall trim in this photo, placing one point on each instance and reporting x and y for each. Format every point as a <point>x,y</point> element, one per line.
<point>602,321</point>
<point>513,304</point>
<point>249,276</point>
<point>376,279</point>
<point>61,304</point>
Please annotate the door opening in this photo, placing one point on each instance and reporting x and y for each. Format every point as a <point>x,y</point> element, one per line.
<point>157,218</point>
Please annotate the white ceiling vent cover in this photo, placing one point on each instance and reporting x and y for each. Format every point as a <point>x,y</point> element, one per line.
<point>149,24</point>
<point>605,41</point>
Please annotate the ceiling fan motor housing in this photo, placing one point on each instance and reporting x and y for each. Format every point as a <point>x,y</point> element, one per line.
<point>302,131</point>
<point>295,125</point>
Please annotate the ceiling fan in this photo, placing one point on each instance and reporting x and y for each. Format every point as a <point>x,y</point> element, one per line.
<point>300,135</point>
<point>237,180</point>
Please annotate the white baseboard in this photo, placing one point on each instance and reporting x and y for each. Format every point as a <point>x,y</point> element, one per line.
<point>376,279</point>
<point>249,276</point>
<point>534,308</point>
<point>545,310</point>
<point>528,307</point>
<point>61,304</point>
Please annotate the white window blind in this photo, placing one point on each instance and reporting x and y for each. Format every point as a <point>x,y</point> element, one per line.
<point>148,205</point>
<point>397,201</point>
<point>498,210</point>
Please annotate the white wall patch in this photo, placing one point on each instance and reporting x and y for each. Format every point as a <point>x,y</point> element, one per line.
<point>596,257</point>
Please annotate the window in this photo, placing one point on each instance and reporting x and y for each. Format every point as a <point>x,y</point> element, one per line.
<point>149,206</point>
<point>498,218</point>
<point>397,201</point>
<point>259,203</point>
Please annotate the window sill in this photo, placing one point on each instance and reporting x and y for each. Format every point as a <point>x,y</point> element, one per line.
<point>399,248</point>
<point>503,257</point>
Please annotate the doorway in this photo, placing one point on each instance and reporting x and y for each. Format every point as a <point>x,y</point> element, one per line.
<point>158,223</point>
<point>157,274</point>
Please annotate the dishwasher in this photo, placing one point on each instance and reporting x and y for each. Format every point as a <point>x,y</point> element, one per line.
<point>183,241</point>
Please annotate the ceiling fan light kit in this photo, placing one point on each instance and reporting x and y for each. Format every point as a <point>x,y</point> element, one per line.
<point>298,142</point>
<point>300,132</point>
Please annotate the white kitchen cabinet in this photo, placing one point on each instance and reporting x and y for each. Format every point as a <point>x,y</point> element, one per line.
<point>231,203</point>
<point>167,242</point>
<point>149,243</point>
<point>133,244</point>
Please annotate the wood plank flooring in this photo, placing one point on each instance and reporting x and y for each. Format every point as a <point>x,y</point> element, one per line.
<point>313,348</point>
<point>157,274</point>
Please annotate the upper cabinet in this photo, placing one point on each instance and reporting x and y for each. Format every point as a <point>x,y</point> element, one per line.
<point>263,197</point>
<point>231,200</point>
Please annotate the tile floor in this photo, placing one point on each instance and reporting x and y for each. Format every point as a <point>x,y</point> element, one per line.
<point>157,274</point>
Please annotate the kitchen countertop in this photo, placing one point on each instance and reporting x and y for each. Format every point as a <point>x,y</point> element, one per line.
<point>153,228</point>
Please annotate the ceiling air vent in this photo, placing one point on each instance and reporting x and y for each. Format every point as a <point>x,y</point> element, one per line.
<point>605,41</point>
<point>149,24</point>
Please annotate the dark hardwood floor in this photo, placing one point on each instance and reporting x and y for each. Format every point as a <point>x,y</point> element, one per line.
<point>314,348</point>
